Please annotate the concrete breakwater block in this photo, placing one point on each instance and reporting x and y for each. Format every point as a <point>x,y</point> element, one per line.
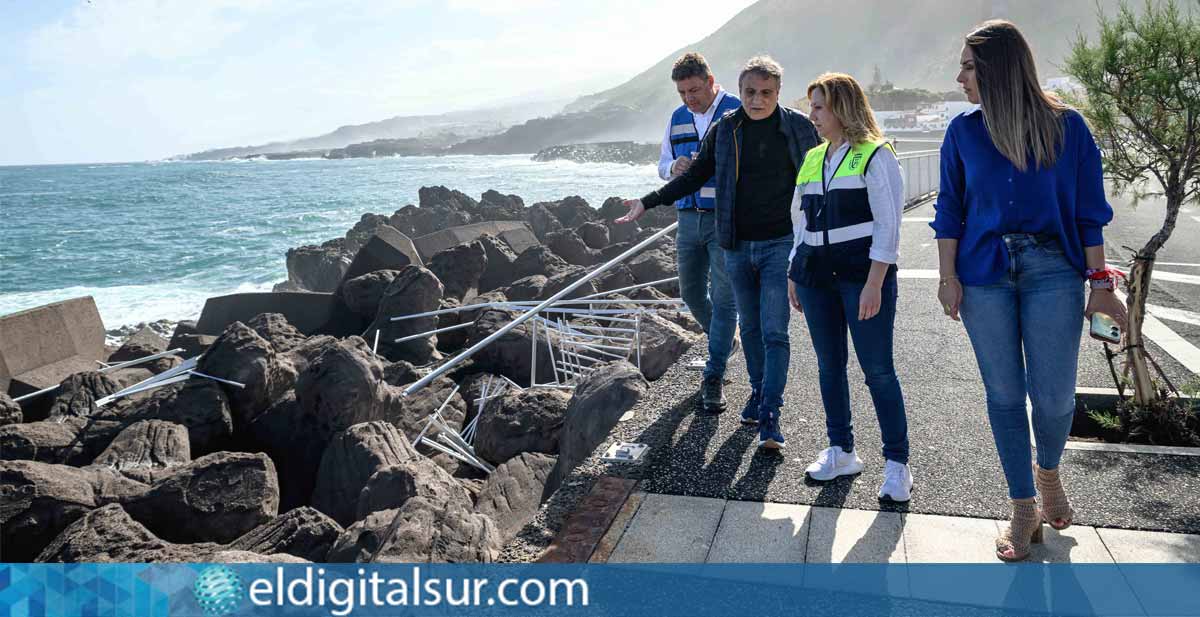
<point>309,312</point>
<point>40,347</point>
<point>515,233</point>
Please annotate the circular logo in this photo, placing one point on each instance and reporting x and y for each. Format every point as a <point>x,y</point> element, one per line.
<point>218,590</point>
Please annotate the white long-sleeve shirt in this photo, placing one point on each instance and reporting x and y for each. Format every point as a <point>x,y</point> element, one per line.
<point>666,158</point>
<point>885,191</point>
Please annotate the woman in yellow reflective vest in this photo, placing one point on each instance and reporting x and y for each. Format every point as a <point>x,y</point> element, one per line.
<point>846,220</point>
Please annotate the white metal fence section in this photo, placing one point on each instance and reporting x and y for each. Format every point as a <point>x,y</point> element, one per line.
<point>922,171</point>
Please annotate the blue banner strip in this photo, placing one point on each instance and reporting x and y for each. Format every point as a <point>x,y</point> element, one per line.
<point>633,590</point>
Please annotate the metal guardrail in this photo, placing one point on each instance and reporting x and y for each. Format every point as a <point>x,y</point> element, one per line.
<point>922,172</point>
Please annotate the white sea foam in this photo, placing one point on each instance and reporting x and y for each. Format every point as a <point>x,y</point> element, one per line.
<point>130,304</point>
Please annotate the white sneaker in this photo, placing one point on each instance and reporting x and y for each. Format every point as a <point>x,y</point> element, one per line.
<point>897,482</point>
<point>833,462</point>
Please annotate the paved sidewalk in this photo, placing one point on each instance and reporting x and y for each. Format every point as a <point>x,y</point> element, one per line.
<point>684,529</point>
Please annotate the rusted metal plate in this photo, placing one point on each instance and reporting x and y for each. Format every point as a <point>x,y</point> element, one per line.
<point>585,527</point>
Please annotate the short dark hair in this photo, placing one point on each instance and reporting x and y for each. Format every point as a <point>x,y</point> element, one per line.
<point>691,64</point>
<point>763,66</point>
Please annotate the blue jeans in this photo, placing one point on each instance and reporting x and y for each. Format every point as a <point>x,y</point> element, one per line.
<point>758,274</point>
<point>1026,330</point>
<point>704,285</point>
<point>830,311</point>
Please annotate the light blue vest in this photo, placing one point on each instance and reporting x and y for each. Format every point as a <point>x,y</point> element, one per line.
<point>685,140</point>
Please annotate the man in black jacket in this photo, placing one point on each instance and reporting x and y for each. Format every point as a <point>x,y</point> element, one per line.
<point>754,152</point>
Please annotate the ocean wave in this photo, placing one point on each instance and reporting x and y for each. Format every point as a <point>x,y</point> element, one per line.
<point>131,304</point>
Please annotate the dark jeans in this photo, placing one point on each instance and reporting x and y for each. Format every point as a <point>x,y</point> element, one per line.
<point>758,274</point>
<point>704,285</point>
<point>1026,330</point>
<point>831,311</point>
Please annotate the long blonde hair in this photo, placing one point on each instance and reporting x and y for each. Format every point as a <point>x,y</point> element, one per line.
<point>846,99</point>
<point>1020,117</point>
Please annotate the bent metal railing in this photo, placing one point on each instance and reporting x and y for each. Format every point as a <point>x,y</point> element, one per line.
<point>922,172</point>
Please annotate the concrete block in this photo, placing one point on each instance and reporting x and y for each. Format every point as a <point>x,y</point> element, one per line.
<point>1134,546</point>
<point>309,312</point>
<point>388,249</point>
<point>40,347</point>
<point>857,536</point>
<point>670,529</point>
<point>1075,544</point>
<point>756,532</point>
<point>950,539</point>
<point>517,234</point>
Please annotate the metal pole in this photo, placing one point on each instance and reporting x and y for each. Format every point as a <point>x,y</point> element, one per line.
<point>433,332</point>
<point>630,288</point>
<point>633,250</point>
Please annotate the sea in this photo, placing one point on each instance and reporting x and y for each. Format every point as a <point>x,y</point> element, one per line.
<point>153,241</point>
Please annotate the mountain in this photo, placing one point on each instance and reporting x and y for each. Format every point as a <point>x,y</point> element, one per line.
<point>462,124</point>
<point>915,44</point>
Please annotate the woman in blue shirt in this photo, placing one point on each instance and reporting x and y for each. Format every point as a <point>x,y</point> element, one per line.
<point>1019,221</point>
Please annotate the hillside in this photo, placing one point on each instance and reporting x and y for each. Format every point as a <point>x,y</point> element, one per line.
<point>915,43</point>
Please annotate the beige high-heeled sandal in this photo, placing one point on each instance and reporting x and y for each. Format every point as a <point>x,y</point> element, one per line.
<point>1056,508</point>
<point>1024,528</point>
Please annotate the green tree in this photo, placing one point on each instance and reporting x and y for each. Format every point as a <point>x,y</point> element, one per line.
<point>1142,84</point>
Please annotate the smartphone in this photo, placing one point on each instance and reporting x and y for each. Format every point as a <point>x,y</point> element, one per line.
<point>1105,329</point>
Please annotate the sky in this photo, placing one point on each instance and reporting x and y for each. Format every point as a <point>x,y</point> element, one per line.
<point>133,80</point>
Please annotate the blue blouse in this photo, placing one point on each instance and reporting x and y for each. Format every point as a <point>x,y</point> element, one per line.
<point>983,197</point>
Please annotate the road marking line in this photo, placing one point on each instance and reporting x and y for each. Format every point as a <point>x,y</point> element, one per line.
<point>1176,346</point>
<point>1174,314</point>
<point>1174,277</point>
<point>917,219</point>
<point>1121,265</point>
<point>1196,218</point>
<point>914,273</point>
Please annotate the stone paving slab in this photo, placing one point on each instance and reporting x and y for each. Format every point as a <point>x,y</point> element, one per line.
<point>670,529</point>
<point>1133,546</point>
<point>1076,544</point>
<point>855,536</point>
<point>757,532</point>
<point>949,539</point>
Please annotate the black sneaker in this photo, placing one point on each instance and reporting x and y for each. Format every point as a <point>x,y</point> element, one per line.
<point>712,395</point>
<point>750,411</point>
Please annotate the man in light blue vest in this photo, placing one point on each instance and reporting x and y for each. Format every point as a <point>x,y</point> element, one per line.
<point>703,283</point>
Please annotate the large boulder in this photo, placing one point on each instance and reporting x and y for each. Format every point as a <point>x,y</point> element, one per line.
<point>214,498</point>
<point>425,531</point>
<point>512,355</point>
<point>500,258</point>
<point>391,486</point>
<point>526,288</point>
<point>363,230</point>
<point>318,267</point>
<point>410,413</point>
<point>303,532</point>
<point>78,393</point>
<point>146,448</point>
<point>349,462</point>
<point>594,234</point>
<point>431,196</point>
<point>341,387</point>
<point>571,211</point>
<point>275,329</point>
<point>662,343</point>
<point>613,209</point>
<point>567,244</point>
<point>200,405</point>
<point>459,268</point>
<point>513,492</point>
<point>541,221</point>
<point>242,356</point>
<point>109,535</point>
<point>415,222</point>
<point>521,421</point>
<point>565,278</point>
<point>362,294</point>
<point>617,277</point>
<point>295,442</point>
<point>55,441</point>
<point>40,500</point>
<point>494,206</point>
<point>654,265</point>
<point>145,342</point>
<point>414,290</point>
<point>10,411</point>
<point>538,260</point>
<point>597,403</point>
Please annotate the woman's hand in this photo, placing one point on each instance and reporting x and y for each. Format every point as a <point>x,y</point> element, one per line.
<point>869,301</point>
<point>1105,301</point>
<point>793,298</point>
<point>950,296</point>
